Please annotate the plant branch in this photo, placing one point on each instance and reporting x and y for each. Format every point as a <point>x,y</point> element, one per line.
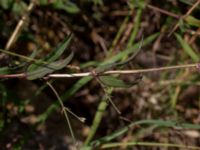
<point>84,74</point>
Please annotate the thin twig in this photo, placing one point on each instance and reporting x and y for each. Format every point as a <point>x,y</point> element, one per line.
<point>20,25</point>
<point>64,111</point>
<point>19,75</point>
<point>163,11</point>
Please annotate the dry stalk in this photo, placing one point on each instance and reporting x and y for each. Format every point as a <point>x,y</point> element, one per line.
<point>20,25</point>
<point>163,11</point>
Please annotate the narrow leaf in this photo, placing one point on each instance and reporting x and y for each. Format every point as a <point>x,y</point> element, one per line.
<point>130,50</point>
<point>71,7</point>
<point>68,6</point>
<point>187,48</point>
<point>192,21</point>
<point>114,82</point>
<point>55,54</point>
<point>44,70</point>
<point>58,51</point>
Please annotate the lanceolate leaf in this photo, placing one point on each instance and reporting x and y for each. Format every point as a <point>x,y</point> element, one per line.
<point>59,50</point>
<point>55,54</point>
<point>114,82</point>
<point>46,69</point>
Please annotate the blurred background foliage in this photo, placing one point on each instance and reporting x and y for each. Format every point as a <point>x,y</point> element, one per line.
<point>103,32</point>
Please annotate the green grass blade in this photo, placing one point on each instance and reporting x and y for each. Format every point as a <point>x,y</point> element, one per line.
<point>136,27</point>
<point>187,48</point>
<point>130,50</point>
<point>159,123</point>
<point>192,21</point>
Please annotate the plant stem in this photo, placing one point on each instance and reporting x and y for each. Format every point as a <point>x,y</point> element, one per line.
<point>135,71</point>
<point>85,74</point>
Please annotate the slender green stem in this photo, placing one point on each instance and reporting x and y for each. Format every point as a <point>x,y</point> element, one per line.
<point>136,27</point>
<point>119,33</point>
<point>97,119</point>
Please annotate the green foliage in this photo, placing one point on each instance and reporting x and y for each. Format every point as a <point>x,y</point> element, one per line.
<point>83,81</point>
<point>65,5</point>
<point>127,36</point>
<point>45,65</point>
<point>187,48</point>
<point>19,6</point>
<point>38,70</point>
<point>49,68</point>
<point>114,82</point>
<point>189,2</point>
<point>192,21</point>
<point>16,7</point>
<point>5,70</point>
<point>6,4</point>
<point>55,54</point>
<point>136,4</point>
